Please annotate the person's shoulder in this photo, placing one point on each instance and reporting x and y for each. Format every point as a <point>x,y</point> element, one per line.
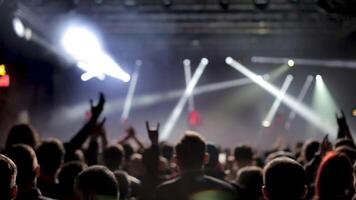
<point>166,189</point>
<point>219,182</point>
<point>44,198</point>
<point>168,184</point>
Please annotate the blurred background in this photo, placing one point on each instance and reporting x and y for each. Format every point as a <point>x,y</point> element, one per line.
<point>275,37</point>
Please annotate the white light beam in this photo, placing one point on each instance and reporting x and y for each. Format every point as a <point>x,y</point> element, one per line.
<point>130,95</point>
<point>300,98</point>
<point>172,120</point>
<point>277,102</point>
<point>188,77</point>
<point>305,112</point>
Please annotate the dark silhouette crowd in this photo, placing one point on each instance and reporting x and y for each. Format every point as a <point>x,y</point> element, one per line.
<point>33,168</point>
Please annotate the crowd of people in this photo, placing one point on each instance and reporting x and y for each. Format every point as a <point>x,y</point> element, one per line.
<point>32,168</point>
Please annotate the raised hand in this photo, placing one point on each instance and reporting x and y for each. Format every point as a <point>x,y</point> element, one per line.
<point>325,145</point>
<point>99,129</point>
<point>98,109</point>
<point>131,133</point>
<point>344,130</point>
<point>153,133</point>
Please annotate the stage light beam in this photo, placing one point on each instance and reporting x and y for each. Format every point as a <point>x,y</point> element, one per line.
<point>130,95</point>
<point>277,102</point>
<point>305,112</point>
<point>323,102</point>
<point>300,98</point>
<point>188,77</point>
<point>172,120</point>
<point>85,47</point>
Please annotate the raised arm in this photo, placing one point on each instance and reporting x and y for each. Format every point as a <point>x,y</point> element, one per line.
<point>79,138</point>
<point>344,130</point>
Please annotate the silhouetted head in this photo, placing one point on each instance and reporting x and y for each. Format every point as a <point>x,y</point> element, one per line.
<point>129,151</point>
<point>67,176</point>
<point>345,142</point>
<point>284,178</point>
<point>191,151</point>
<point>309,149</point>
<point>135,166</point>
<point>213,152</point>
<point>243,155</point>
<point>251,180</point>
<point>167,151</point>
<point>96,182</point>
<point>27,166</point>
<point>349,152</point>
<point>22,134</point>
<point>334,178</point>
<point>113,157</point>
<point>8,172</point>
<point>50,155</point>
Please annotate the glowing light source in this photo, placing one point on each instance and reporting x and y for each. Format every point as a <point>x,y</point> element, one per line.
<point>318,78</point>
<point>84,46</point>
<point>167,129</point>
<point>194,118</point>
<point>353,112</point>
<point>277,102</point>
<point>5,81</point>
<point>305,112</point>
<point>290,63</point>
<point>266,124</point>
<point>18,27</point>
<point>186,62</point>
<point>2,70</point>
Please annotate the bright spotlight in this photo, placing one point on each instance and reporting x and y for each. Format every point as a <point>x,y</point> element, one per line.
<point>266,124</point>
<point>304,111</point>
<point>318,77</point>
<point>18,27</point>
<point>85,48</point>
<point>186,62</point>
<point>204,61</point>
<point>290,63</point>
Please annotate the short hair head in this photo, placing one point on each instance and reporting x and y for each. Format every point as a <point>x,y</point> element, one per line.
<point>113,156</point>
<point>8,172</point>
<point>243,154</point>
<point>67,176</point>
<point>96,180</point>
<point>213,156</point>
<point>26,161</point>
<point>22,134</point>
<point>284,178</point>
<point>251,180</point>
<point>334,177</point>
<point>191,150</point>
<point>309,149</point>
<point>50,155</point>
